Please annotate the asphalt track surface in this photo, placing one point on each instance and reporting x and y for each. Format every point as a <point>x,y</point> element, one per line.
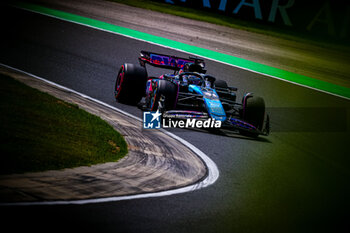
<point>295,180</point>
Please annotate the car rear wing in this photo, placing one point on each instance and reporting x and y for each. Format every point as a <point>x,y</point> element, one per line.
<point>166,61</point>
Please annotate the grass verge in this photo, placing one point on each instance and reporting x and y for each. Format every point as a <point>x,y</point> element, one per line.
<point>40,132</point>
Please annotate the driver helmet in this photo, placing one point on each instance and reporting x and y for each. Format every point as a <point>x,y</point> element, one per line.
<point>192,79</point>
<point>207,83</point>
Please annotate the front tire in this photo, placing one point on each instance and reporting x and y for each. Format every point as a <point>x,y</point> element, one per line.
<point>253,112</point>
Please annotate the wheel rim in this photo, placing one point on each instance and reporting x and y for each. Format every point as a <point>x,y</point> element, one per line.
<point>119,81</point>
<point>153,98</point>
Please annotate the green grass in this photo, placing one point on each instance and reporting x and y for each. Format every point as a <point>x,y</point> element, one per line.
<point>225,20</point>
<point>40,132</point>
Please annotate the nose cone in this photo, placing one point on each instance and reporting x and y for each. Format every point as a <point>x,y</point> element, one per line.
<point>215,109</point>
<point>218,118</point>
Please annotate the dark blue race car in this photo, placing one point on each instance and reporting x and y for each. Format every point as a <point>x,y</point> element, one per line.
<point>189,92</point>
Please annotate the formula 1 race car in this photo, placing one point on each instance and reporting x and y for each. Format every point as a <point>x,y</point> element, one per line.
<point>189,92</point>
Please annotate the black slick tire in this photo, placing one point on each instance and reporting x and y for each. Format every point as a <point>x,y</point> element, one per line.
<point>253,113</point>
<point>169,91</point>
<point>130,84</point>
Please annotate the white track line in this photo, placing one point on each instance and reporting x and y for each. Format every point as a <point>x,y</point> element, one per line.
<point>184,51</point>
<point>212,176</point>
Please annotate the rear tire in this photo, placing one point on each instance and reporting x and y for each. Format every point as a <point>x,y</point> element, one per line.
<point>167,89</point>
<point>220,83</point>
<point>130,84</point>
<point>224,92</point>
